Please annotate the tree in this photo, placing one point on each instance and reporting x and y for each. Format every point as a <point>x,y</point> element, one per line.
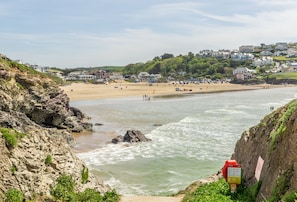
<point>166,56</point>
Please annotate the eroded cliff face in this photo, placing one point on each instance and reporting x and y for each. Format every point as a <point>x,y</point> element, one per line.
<point>274,139</point>
<point>39,98</point>
<point>36,107</point>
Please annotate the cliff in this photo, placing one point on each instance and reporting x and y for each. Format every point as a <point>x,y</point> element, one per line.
<point>36,122</point>
<point>274,140</point>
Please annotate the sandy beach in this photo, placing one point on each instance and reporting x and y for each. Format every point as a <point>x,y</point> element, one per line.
<point>84,91</point>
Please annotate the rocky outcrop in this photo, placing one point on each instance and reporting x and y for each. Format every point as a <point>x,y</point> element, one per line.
<point>24,166</point>
<point>40,99</point>
<point>274,140</point>
<point>131,136</point>
<point>34,106</point>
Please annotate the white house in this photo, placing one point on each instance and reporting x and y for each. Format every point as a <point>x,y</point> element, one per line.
<point>281,46</point>
<point>116,76</point>
<point>265,53</point>
<point>243,70</point>
<point>41,69</point>
<point>243,73</point>
<point>258,62</point>
<point>246,49</point>
<point>241,56</point>
<point>143,76</point>
<point>86,77</point>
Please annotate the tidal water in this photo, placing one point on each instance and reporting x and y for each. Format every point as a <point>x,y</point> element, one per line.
<point>192,136</point>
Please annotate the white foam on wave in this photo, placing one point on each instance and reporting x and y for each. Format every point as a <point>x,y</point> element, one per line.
<point>223,111</point>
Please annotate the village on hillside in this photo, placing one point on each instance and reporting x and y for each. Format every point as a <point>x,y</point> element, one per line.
<point>279,57</point>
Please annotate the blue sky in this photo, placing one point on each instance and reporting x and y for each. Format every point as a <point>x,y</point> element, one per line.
<point>75,33</point>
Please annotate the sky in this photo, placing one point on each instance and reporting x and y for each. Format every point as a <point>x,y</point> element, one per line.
<point>90,33</point>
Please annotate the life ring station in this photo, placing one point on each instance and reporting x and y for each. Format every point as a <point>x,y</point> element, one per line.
<point>232,174</point>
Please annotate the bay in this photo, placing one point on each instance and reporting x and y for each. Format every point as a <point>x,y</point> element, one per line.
<point>192,136</point>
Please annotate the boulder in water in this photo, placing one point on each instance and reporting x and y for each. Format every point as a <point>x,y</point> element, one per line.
<point>131,136</point>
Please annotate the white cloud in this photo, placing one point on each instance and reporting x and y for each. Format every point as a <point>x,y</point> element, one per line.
<point>274,2</point>
<point>138,36</point>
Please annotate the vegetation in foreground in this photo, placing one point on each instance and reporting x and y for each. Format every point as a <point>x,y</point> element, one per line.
<point>220,191</point>
<point>64,191</point>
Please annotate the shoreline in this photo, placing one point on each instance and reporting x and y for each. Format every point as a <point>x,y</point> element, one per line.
<point>85,91</point>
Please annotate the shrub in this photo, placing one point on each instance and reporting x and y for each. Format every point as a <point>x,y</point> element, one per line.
<point>84,175</point>
<point>11,136</point>
<point>111,196</point>
<point>13,169</point>
<point>280,127</point>
<point>10,140</point>
<point>281,186</point>
<point>14,195</point>
<point>220,191</point>
<point>48,159</point>
<point>290,197</point>
<point>215,191</point>
<point>89,195</point>
<point>64,189</point>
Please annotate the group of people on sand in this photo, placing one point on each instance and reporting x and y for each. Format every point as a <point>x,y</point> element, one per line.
<point>146,98</point>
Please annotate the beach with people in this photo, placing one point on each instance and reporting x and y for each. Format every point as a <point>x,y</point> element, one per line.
<point>87,91</point>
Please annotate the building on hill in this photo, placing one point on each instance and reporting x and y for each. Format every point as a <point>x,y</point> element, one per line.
<point>42,69</point>
<point>243,73</point>
<point>237,56</point>
<point>115,76</point>
<point>258,62</point>
<point>246,49</point>
<point>281,46</point>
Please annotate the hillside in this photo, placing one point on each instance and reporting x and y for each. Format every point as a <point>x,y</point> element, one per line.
<point>36,122</point>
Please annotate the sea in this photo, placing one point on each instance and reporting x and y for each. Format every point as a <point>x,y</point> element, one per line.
<point>192,136</point>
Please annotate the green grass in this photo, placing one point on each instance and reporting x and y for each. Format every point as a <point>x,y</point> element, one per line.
<point>48,160</point>
<point>84,175</point>
<point>282,58</point>
<point>220,191</point>
<point>14,195</point>
<point>11,136</point>
<point>281,186</point>
<point>285,75</point>
<point>280,127</point>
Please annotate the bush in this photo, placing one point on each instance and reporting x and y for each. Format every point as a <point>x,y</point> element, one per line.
<point>220,191</point>
<point>11,136</point>
<point>111,196</point>
<point>14,195</point>
<point>64,188</point>
<point>64,191</point>
<point>290,197</point>
<point>89,195</point>
<point>48,159</point>
<point>10,140</point>
<point>215,191</point>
